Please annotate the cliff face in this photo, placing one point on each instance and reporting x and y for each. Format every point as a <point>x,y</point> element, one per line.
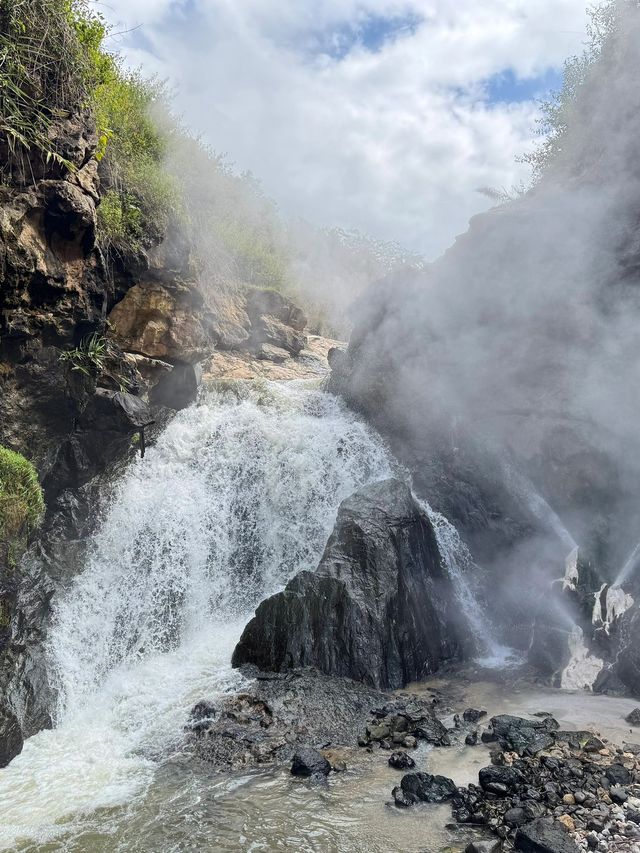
<point>93,351</point>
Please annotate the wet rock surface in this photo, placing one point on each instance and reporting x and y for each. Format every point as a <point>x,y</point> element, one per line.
<point>380,608</point>
<point>279,714</point>
<point>562,792</point>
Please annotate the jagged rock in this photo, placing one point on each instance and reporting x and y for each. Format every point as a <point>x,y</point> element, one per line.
<point>496,779</point>
<point>268,330</point>
<point>544,836</point>
<point>520,734</point>
<point>163,323</point>
<point>424,787</point>
<point>472,738</point>
<point>401,760</point>
<point>103,434</point>
<point>278,714</point>
<point>380,607</point>
<point>618,774</point>
<point>274,304</point>
<point>309,762</point>
<point>11,739</point>
<point>273,353</point>
<point>472,715</point>
<point>493,846</point>
<point>633,718</point>
<point>179,388</point>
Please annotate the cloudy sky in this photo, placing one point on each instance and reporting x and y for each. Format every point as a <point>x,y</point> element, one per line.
<point>382,115</point>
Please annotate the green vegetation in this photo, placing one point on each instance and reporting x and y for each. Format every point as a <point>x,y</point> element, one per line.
<point>156,178</point>
<point>21,504</point>
<point>562,111</point>
<point>46,70</point>
<point>89,358</point>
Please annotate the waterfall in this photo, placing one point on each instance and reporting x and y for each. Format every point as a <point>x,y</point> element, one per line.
<point>630,564</point>
<point>460,568</point>
<point>239,494</point>
<point>523,488</point>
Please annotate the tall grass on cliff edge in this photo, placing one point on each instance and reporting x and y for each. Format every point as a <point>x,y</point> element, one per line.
<point>46,70</point>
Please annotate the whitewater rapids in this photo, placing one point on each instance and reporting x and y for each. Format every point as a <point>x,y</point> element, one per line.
<point>239,494</point>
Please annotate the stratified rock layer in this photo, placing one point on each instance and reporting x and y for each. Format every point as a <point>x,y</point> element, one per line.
<point>379,608</point>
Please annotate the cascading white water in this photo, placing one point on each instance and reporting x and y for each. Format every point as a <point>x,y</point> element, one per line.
<point>460,568</point>
<point>239,494</point>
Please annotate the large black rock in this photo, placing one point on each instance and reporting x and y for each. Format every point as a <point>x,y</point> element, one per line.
<point>380,608</point>
<point>545,836</point>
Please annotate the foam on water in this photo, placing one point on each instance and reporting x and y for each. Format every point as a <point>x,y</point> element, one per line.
<point>239,494</point>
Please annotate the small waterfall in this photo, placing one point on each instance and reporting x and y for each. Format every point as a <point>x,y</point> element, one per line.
<point>583,667</point>
<point>460,567</point>
<point>627,570</point>
<point>239,494</point>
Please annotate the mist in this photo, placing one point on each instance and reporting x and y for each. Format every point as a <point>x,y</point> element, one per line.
<point>517,350</point>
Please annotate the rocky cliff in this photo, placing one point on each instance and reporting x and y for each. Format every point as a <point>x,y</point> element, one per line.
<point>93,351</point>
<point>379,608</point>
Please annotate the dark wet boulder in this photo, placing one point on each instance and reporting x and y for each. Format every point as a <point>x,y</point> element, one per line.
<point>472,715</point>
<point>617,774</point>
<point>496,778</point>
<point>425,788</point>
<point>401,760</point>
<point>522,735</point>
<point>516,816</point>
<point>627,664</point>
<point>309,762</point>
<point>179,388</point>
<point>492,846</point>
<point>380,608</point>
<point>544,836</point>
<point>633,718</point>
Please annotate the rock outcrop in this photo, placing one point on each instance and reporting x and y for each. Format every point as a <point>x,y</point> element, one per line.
<point>379,608</point>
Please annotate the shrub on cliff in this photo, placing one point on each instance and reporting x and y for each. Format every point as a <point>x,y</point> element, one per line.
<point>46,71</point>
<point>21,503</point>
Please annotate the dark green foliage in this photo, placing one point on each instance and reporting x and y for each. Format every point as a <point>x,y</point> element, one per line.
<point>46,71</point>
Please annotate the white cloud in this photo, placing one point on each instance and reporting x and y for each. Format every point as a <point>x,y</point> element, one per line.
<point>394,142</point>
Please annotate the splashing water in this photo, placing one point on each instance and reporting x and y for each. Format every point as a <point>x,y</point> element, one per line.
<point>538,506</point>
<point>240,493</point>
<point>460,567</point>
<point>583,667</point>
<point>627,570</point>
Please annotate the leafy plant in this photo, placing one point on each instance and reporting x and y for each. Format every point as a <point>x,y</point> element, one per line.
<point>21,503</point>
<point>46,70</point>
<point>88,358</point>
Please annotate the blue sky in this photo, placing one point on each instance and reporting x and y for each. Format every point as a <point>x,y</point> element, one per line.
<point>384,115</point>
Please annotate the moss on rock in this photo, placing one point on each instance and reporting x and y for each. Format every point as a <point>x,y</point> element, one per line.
<point>21,503</point>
